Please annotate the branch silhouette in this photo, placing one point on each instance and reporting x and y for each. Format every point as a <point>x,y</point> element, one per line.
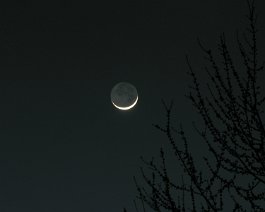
<point>233,131</point>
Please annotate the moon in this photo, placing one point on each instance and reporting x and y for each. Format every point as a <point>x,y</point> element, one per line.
<point>124,96</point>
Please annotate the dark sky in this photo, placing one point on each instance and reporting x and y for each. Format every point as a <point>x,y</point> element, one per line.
<point>63,146</point>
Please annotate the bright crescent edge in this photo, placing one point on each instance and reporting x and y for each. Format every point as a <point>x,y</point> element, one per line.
<point>126,108</point>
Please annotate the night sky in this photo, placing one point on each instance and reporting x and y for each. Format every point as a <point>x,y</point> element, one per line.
<point>63,146</point>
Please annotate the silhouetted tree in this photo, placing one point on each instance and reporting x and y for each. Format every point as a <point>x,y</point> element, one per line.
<point>233,130</point>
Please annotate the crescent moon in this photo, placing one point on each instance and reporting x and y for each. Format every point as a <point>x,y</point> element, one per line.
<point>126,108</point>
<point>124,96</point>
